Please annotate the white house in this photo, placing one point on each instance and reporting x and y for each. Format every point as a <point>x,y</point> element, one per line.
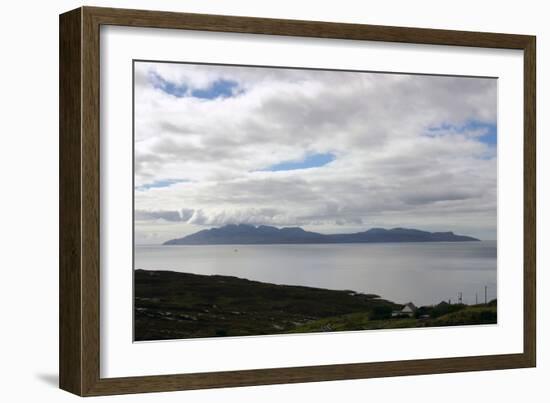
<point>408,310</point>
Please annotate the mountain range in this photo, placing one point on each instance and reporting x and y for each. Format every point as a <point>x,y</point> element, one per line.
<point>244,234</point>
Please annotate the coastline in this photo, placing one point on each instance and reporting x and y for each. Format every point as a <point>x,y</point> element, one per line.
<point>175,305</point>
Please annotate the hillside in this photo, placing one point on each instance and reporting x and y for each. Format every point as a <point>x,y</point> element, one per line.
<point>171,305</point>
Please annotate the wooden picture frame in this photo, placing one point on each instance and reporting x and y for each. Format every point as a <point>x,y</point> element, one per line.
<point>79,278</point>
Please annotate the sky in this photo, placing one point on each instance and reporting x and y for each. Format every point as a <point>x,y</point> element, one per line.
<point>329,151</point>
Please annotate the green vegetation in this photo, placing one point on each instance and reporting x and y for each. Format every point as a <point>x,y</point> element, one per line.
<point>467,315</point>
<point>171,305</point>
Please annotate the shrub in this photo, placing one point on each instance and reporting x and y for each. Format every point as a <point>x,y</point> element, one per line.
<point>381,312</point>
<point>444,309</point>
<point>423,311</point>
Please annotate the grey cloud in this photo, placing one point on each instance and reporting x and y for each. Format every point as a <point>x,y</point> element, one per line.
<point>166,215</point>
<point>198,218</point>
<point>421,197</point>
<point>186,214</point>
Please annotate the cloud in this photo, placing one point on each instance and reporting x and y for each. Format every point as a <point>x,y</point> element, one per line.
<point>251,215</point>
<point>165,215</point>
<point>404,149</point>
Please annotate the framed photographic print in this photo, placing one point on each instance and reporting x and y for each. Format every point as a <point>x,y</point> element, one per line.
<point>250,201</point>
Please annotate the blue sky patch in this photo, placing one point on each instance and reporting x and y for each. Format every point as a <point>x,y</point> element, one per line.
<point>311,161</point>
<point>159,184</point>
<point>218,89</point>
<point>159,83</point>
<point>489,138</point>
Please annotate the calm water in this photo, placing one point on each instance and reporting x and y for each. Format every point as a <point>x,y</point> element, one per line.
<point>424,273</point>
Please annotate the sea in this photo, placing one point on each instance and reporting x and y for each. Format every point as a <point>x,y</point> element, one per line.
<point>424,273</point>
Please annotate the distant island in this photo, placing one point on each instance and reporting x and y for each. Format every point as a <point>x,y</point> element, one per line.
<point>244,234</point>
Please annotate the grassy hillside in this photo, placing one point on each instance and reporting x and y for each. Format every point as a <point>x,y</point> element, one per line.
<point>171,305</point>
<point>476,315</point>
